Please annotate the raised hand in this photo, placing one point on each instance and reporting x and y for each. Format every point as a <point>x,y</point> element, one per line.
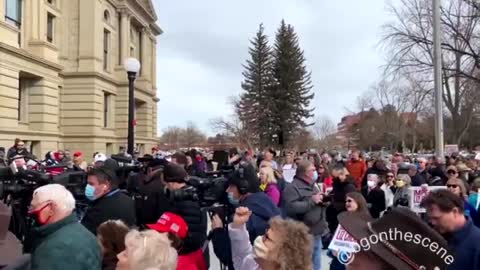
<point>242,214</point>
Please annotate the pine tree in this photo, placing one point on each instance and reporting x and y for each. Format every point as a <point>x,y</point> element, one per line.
<point>254,105</point>
<point>292,92</point>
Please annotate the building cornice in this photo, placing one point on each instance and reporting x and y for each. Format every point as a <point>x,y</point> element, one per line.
<point>28,56</point>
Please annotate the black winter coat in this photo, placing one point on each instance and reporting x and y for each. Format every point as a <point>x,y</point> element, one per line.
<point>338,197</point>
<point>150,202</point>
<point>196,220</point>
<point>376,202</point>
<point>114,205</point>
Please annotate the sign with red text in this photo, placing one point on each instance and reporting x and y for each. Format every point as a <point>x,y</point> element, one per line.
<point>343,241</point>
<point>416,196</point>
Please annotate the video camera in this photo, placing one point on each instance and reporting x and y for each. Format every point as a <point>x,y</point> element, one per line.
<point>208,191</point>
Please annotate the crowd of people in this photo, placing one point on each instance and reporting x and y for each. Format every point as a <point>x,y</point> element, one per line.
<point>285,209</point>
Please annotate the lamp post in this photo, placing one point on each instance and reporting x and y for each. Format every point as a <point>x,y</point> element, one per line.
<point>132,66</point>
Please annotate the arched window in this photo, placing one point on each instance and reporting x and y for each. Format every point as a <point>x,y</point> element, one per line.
<point>106,15</point>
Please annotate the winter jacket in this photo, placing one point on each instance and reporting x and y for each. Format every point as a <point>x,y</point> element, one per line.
<point>242,251</point>
<point>192,261</point>
<point>196,220</point>
<point>114,205</point>
<point>357,169</point>
<point>150,202</point>
<point>338,197</point>
<point>300,206</point>
<point>262,209</point>
<point>401,196</point>
<point>376,202</point>
<point>65,244</point>
<point>464,245</point>
<point>273,193</point>
<point>389,195</point>
<point>470,211</point>
<point>418,180</point>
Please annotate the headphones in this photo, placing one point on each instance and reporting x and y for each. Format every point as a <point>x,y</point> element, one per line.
<point>242,184</point>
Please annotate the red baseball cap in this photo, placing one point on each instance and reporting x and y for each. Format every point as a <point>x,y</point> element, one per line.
<point>77,154</point>
<point>169,222</point>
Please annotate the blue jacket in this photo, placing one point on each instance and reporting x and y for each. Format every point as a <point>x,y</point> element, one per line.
<point>471,212</point>
<point>464,244</point>
<point>262,209</point>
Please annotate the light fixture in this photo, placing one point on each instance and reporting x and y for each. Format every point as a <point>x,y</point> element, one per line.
<point>132,65</point>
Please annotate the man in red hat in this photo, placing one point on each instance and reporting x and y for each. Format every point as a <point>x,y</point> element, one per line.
<point>79,161</point>
<point>177,230</point>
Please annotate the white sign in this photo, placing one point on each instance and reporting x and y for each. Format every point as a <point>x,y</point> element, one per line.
<point>450,149</point>
<point>416,196</point>
<point>288,174</point>
<point>343,241</point>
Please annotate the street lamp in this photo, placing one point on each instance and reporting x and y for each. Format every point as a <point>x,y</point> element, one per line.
<point>132,66</point>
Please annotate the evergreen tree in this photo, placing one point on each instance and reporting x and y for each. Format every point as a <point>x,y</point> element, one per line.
<point>254,105</point>
<point>292,92</point>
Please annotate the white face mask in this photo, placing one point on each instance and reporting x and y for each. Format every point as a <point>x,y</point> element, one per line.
<point>259,248</point>
<point>371,183</point>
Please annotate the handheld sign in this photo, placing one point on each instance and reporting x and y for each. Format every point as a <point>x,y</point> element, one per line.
<point>416,196</point>
<point>343,241</point>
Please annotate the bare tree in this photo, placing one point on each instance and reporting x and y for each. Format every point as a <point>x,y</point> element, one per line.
<point>410,48</point>
<point>235,129</point>
<point>192,136</point>
<point>172,137</point>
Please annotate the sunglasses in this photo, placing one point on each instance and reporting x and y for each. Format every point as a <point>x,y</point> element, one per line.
<point>452,186</point>
<point>451,172</point>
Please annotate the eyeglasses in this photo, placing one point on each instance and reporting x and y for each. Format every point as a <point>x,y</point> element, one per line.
<point>452,186</point>
<point>451,172</point>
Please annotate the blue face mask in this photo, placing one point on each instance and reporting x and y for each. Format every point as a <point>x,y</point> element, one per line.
<point>90,192</point>
<point>232,200</point>
<point>315,176</point>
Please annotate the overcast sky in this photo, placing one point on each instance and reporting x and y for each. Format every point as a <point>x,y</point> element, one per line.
<point>205,43</point>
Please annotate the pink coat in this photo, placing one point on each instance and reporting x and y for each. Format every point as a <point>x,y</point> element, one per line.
<point>273,192</point>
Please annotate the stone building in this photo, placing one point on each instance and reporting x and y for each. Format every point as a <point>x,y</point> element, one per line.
<point>62,80</point>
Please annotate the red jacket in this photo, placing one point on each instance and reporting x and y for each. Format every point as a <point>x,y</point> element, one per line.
<point>357,169</point>
<point>192,261</point>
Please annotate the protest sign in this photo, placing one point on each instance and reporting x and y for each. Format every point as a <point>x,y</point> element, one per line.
<point>417,194</point>
<point>343,241</point>
<point>289,174</point>
<point>451,149</point>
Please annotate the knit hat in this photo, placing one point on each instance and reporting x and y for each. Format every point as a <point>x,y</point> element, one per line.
<point>174,173</point>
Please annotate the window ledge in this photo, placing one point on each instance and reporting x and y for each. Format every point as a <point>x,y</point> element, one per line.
<point>9,26</point>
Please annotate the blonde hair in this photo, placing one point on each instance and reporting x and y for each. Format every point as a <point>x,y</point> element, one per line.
<point>150,250</point>
<point>268,171</point>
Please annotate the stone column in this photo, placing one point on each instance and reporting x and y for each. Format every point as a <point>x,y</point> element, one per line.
<point>146,58</point>
<point>125,34</point>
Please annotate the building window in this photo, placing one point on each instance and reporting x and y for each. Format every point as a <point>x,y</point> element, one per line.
<point>106,38</point>
<point>50,27</point>
<point>13,12</point>
<point>119,35</point>
<point>22,99</point>
<point>106,109</point>
<point>106,16</point>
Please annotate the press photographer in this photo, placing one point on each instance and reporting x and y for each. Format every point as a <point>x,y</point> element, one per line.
<point>150,200</point>
<point>184,202</point>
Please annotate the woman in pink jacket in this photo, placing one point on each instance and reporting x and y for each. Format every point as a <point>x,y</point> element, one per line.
<point>286,245</point>
<point>268,184</point>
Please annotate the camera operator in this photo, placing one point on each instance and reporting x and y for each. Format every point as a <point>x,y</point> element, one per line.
<point>150,200</point>
<point>243,190</point>
<point>107,201</point>
<point>184,203</point>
